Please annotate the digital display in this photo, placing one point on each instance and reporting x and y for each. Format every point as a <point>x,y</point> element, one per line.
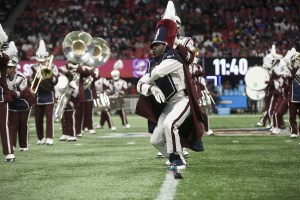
<point>235,66</point>
<point>231,68</point>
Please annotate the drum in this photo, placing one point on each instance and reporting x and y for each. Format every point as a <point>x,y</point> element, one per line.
<point>205,101</point>
<point>255,94</point>
<point>102,102</point>
<point>115,102</point>
<point>255,78</point>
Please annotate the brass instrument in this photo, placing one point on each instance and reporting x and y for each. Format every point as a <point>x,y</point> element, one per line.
<point>41,74</point>
<point>78,47</point>
<point>62,86</point>
<point>101,53</point>
<point>87,82</point>
<point>100,56</point>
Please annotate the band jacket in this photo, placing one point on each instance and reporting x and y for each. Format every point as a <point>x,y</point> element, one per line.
<point>191,130</point>
<point>84,73</point>
<point>4,91</point>
<point>23,99</point>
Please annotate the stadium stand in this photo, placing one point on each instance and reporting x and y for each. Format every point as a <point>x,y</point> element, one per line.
<point>219,27</point>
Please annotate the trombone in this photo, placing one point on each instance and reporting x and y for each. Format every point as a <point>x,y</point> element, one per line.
<point>41,74</point>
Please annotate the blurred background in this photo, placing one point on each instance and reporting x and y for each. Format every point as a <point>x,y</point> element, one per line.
<point>226,32</point>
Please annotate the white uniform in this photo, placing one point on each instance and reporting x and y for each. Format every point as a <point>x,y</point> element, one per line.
<point>167,74</point>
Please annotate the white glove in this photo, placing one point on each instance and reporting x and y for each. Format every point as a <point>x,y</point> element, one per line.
<point>157,93</point>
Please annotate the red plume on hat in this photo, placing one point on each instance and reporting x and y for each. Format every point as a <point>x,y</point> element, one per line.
<point>166,29</point>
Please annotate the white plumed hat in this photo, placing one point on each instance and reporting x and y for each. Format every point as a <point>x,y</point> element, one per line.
<point>12,49</point>
<point>12,52</point>
<point>118,64</point>
<point>3,39</point>
<point>3,36</point>
<point>41,53</point>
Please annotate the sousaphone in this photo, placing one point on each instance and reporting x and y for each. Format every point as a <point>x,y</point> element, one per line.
<point>78,47</point>
<point>101,53</point>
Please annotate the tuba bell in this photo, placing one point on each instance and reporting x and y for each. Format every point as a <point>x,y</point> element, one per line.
<point>101,53</point>
<point>78,46</point>
<point>100,56</point>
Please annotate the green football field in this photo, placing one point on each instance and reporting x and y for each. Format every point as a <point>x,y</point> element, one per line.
<point>239,162</point>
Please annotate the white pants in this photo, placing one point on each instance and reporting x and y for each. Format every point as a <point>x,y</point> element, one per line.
<point>165,137</point>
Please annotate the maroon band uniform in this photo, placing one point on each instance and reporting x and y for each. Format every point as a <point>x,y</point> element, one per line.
<point>19,109</point>
<point>5,97</point>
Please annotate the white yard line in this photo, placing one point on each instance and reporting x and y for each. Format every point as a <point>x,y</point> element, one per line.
<point>168,188</point>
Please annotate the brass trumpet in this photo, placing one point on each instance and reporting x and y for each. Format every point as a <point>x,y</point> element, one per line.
<point>42,74</point>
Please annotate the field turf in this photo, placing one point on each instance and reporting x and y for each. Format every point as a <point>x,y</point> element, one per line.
<point>123,165</point>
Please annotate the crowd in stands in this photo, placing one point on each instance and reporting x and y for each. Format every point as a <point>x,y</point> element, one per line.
<point>219,27</point>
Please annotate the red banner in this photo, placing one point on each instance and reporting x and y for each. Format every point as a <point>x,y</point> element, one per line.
<point>132,68</point>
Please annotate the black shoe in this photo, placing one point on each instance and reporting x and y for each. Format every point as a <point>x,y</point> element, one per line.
<point>176,160</point>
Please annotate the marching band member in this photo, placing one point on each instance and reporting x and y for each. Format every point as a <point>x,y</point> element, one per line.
<point>165,81</point>
<point>118,88</point>
<point>294,95</point>
<point>88,104</point>
<point>70,91</point>
<point>23,99</point>
<point>102,86</point>
<point>185,48</point>
<point>282,86</point>
<point>205,100</point>
<point>82,72</point>
<point>270,61</point>
<point>5,97</point>
<point>45,95</point>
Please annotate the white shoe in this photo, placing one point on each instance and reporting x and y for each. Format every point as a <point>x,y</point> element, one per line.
<point>209,132</point>
<point>86,130</point>
<point>259,124</point>
<point>99,126</point>
<point>63,138</point>
<point>269,126</point>
<point>127,126</point>
<point>294,135</point>
<point>271,129</point>
<point>168,163</point>
<point>79,135</point>
<point>10,158</point>
<point>159,155</point>
<point>178,167</point>
<point>113,128</point>
<point>49,141</point>
<point>42,141</point>
<point>71,139</point>
<point>276,131</point>
<point>92,131</point>
<point>23,149</point>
